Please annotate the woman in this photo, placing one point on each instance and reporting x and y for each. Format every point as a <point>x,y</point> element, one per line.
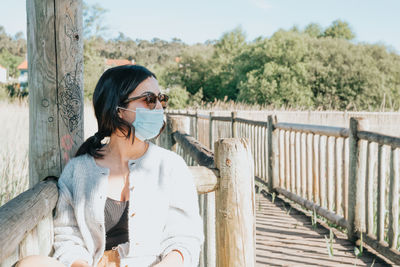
<point>128,202</point>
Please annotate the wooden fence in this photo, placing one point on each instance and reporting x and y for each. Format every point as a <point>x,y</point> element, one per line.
<point>26,222</point>
<point>349,176</point>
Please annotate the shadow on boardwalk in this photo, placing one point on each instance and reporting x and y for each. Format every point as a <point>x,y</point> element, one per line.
<point>286,237</point>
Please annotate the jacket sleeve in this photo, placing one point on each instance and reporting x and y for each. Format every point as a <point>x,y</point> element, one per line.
<point>184,228</point>
<point>68,242</point>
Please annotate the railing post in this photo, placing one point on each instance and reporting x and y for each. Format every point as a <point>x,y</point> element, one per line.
<point>209,215</point>
<point>196,126</point>
<point>273,154</point>
<point>211,132</point>
<point>175,123</point>
<point>235,202</point>
<point>233,124</point>
<point>357,173</point>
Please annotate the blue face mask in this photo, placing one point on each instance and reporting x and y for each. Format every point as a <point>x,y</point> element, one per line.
<point>147,123</point>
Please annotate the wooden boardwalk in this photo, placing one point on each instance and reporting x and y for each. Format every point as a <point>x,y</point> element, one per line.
<point>286,237</point>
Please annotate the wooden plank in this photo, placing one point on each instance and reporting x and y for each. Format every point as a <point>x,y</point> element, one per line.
<point>32,205</point>
<point>339,176</point>
<point>330,154</point>
<point>292,162</point>
<point>371,173</point>
<point>282,161</point>
<point>297,154</point>
<point>316,168</point>
<point>322,171</point>
<point>287,161</point>
<point>315,129</point>
<point>380,138</point>
<point>303,166</point>
<point>381,193</point>
<point>235,220</point>
<point>346,160</point>
<point>310,149</point>
<point>393,230</point>
<point>29,245</point>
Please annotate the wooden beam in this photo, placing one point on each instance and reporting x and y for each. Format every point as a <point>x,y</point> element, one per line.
<point>21,214</point>
<point>206,179</point>
<point>55,63</point>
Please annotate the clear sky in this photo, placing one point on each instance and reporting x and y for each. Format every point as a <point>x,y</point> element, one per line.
<point>192,21</point>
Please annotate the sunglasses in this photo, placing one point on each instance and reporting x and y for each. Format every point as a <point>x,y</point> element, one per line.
<point>151,99</point>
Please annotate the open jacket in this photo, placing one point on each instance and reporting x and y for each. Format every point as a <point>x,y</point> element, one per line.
<point>163,211</point>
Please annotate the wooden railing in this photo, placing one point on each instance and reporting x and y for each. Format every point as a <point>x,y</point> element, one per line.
<point>349,176</point>
<point>229,224</point>
<point>26,223</point>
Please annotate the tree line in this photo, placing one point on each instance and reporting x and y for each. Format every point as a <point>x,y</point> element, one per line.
<point>313,68</point>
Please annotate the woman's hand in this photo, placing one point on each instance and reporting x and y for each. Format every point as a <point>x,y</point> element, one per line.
<point>173,259</point>
<point>80,263</point>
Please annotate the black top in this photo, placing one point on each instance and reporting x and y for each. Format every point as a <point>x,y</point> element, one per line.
<point>116,222</point>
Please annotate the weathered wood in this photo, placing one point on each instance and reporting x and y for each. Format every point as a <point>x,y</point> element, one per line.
<point>356,194</point>
<point>201,154</point>
<point>205,179</point>
<point>331,216</point>
<point>174,124</point>
<point>55,62</point>
<point>33,205</point>
<point>346,159</point>
<point>309,146</point>
<point>315,129</point>
<point>382,248</point>
<point>371,172</point>
<point>235,204</point>
<point>30,244</point>
<point>379,138</point>
<point>303,165</point>
<point>273,154</point>
<point>251,122</point>
<point>292,162</point>
<point>234,124</point>
<point>282,162</point>
<point>322,171</point>
<point>380,233</point>
<point>316,168</point>
<point>297,145</point>
<point>331,157</point>
<point>393,230</point>
<point>339,176</point>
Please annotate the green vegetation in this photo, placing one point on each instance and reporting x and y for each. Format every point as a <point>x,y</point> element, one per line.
<point>310,68</point>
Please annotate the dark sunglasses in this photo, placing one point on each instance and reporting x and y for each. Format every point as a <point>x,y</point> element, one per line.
<point>151,99</point>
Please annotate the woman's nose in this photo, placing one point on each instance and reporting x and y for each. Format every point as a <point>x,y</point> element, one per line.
<point>159,105</point>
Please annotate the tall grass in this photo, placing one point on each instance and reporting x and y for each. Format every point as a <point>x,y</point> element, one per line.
<point>14,146</point>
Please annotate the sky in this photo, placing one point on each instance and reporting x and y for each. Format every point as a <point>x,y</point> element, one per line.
<point>197,21</point>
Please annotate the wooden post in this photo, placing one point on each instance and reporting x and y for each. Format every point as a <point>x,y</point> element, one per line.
<point>357,173</point>
<point>233,124</point>
<point>196,126</point>
<point>235,202</point>
<point>211,131</point>
<point>55,63</point>
<point>209,216</point>
<point>175,123</point>
<point>273,154</point>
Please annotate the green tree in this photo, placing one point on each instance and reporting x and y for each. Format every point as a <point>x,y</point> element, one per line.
<point>339,29</point>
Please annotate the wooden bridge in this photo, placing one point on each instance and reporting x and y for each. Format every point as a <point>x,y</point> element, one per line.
<point>309,178</point>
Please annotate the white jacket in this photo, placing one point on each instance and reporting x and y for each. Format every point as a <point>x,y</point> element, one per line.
<point>163,211</point>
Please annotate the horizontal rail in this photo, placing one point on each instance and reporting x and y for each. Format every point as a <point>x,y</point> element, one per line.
<point>379,138</point>
<point>382,248</point>
<point>220,118</point>
<point>195,149</point>
<point>206,179</point>
<point>21,214</point>
<point>256,123</point>
<point>331,216</point>
<point>314,129</point>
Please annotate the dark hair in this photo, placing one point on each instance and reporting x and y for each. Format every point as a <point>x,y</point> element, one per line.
<point>112,89</point>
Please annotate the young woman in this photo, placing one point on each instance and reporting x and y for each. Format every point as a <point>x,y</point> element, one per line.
<point>127,202</point>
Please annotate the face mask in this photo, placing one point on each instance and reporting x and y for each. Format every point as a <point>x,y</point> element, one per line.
<point>147,123</point>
